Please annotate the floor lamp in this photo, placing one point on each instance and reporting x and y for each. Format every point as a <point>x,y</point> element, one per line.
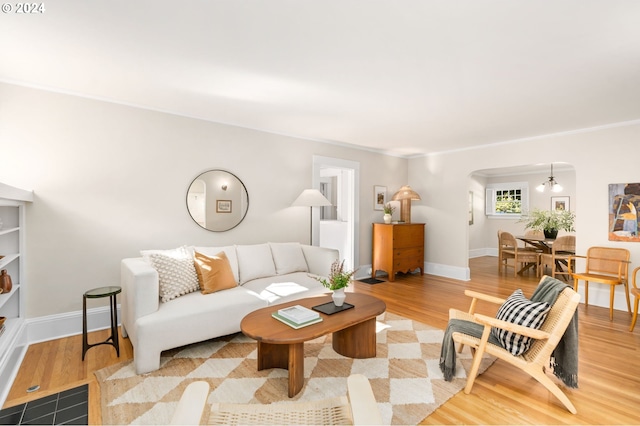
<point>311,198</point>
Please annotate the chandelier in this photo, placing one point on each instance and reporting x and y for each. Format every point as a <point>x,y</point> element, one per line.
<point>551,183</point>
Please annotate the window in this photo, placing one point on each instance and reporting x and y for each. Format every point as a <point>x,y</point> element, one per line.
<point>508,199</point>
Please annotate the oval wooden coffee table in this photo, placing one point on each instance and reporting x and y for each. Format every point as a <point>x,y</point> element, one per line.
<point>281,346</point>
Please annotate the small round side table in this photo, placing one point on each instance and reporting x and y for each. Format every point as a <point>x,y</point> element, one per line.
<point>97,293</point>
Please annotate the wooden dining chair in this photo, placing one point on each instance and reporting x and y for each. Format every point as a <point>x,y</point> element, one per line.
<point>509,251</point>
<point>563,248</point>
<point>636,293</point>
<point>604,265</point>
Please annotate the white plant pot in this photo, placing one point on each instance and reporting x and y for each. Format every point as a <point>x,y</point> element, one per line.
<point>338,297</point>
<point>387,218</point>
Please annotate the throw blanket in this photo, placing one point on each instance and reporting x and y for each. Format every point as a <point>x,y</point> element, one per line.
<point>448,350</point>
<point>564,359</point>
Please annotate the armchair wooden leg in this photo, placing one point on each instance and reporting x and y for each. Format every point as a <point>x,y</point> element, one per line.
<point>626,292</point>
<point>635,314</point>
<point>545,381</point>
<point>611,293</point>
<point>477,358</point>
<point>586,293</point>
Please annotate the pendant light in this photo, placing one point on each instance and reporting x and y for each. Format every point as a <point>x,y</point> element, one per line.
<point>551,183</point>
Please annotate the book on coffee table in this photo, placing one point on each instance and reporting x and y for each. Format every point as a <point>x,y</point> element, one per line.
<point>298,314</point>
<point>295,324</point>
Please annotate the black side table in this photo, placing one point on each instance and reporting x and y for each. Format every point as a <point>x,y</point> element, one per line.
<point>97,293</point>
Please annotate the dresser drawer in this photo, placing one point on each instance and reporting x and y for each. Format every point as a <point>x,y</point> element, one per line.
<point>408,236</point>
<point>408,258</point>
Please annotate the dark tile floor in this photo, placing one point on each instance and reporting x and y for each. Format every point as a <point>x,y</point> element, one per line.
<point>70,407</point>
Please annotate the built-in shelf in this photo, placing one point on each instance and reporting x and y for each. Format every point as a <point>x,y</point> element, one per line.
<point>13,339</point>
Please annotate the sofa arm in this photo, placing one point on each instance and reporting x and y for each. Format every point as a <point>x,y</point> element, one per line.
<point>140,291</point>
<point>319,259</point>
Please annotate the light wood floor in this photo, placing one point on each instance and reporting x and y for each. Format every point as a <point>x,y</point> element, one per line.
<point>609,371</point>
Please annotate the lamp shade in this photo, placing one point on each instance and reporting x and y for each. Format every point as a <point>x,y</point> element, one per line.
<point>406,193</point>
<point>311,198</point>
<point>553,185</point>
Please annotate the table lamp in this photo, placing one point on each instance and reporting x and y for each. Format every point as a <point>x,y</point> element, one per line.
<point>405,195</point>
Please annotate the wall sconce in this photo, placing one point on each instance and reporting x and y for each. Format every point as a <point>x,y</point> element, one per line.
<point>405,195</point>
<point>224,186</point>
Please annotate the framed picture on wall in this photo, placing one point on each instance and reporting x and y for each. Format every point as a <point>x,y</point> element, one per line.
<point>379,197</point>
<point>470,207</point>
<point>223,206</point>
<point>559,203</point>
<point>624,204</point>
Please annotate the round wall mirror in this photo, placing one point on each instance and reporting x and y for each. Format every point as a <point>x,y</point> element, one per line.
<point>217,200</point>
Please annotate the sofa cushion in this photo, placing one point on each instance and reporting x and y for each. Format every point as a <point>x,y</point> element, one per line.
<point>288,258</point>
<point>214,273</point>
<point>176,272</point>
<point>230,251</point>
<point>284,288</point>
<point>255,261</point>
<point>517,309</point>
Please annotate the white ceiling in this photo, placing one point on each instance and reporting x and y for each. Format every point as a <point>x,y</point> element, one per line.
<point>403,77</point>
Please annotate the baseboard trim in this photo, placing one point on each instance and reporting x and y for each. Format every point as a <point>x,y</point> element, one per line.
<point>50,327</point>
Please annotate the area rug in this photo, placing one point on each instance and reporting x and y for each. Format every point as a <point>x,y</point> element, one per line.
<point>405,377</point>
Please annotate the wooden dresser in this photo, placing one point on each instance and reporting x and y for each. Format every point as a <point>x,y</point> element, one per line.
<point>397,248</point>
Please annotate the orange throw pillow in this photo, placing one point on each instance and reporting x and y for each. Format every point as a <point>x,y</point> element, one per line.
<point>214,273</point>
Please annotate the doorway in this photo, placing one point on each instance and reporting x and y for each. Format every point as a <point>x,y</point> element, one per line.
<point>337,226</point>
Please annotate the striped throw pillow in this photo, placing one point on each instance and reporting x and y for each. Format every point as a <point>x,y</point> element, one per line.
<point>519,310</point>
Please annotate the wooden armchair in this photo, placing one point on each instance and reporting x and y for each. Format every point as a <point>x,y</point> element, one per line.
<point>535,360</point>
<point>605,265</point>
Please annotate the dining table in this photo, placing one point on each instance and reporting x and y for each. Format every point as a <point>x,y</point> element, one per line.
<point>544,245</point>
<point>541,243</point>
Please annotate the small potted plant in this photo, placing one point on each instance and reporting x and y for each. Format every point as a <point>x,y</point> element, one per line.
<point>338,280</point>
<point>550,222</point>
<point>388,211</point>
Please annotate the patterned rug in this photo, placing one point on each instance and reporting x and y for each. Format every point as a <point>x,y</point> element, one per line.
<point>405,376</point>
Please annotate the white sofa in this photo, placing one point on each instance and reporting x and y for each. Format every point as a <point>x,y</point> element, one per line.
<point>266,274</point>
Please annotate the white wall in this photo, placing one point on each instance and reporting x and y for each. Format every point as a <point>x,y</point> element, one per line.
<point>110,180</point>
<point>600,157</point>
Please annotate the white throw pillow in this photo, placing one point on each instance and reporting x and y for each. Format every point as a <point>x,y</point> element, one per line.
<point>255,261</point>
<point>288,258</point>
<point>176,271</point>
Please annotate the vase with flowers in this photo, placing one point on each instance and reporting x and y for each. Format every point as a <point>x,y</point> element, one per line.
<point>337,281</point>
<point>388,211</point>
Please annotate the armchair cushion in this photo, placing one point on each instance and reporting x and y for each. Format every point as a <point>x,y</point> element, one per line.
<point>517,309</point>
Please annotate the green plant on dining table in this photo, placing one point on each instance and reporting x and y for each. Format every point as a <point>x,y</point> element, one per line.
<point>338,277</point>
<point>546,220</point>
